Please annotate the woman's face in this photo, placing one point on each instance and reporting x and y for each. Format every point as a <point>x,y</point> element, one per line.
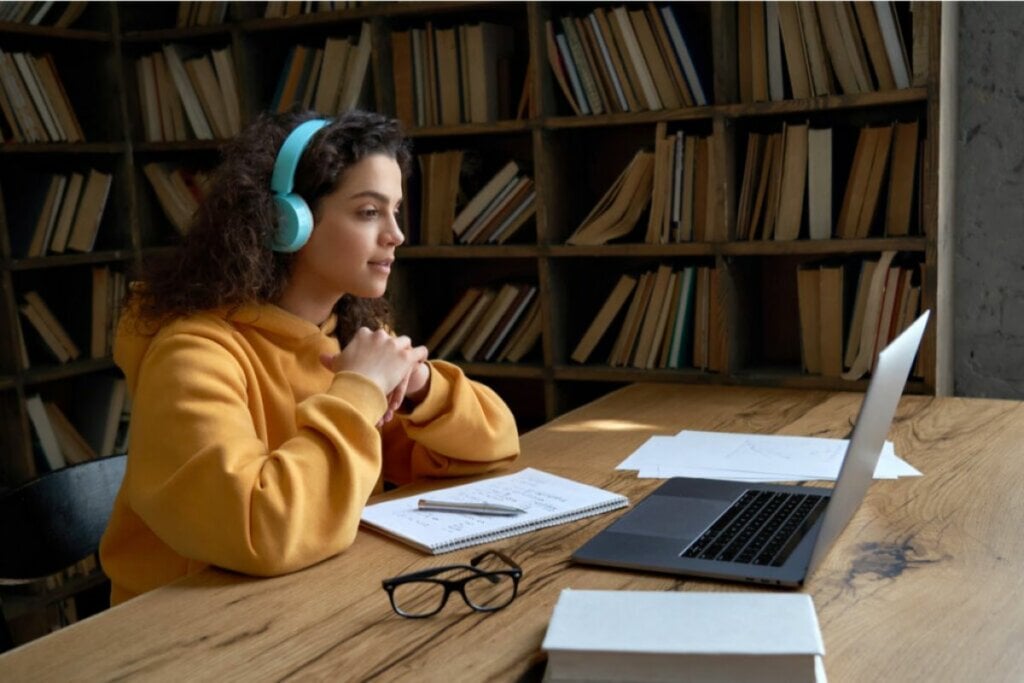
<point>355,232</point>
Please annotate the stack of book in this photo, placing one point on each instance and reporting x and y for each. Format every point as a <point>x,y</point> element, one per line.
<point>493,215</point>
<point>65,212</point>
<point>683,208</point>
<point>202,90</point>
<point>490,324</point>
<point>35,106</point>
<point>498,210</point>
<point>785,171</point>
<point>329,79</point>
<point>821,48</point>
<point>458,74</point>
<point>178,190</point>
<point>849,312</point>
<point>625,59</point>
<point>58,15</point>
<point>674,320</point>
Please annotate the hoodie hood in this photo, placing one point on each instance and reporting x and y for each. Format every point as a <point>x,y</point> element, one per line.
<point>135,336</point>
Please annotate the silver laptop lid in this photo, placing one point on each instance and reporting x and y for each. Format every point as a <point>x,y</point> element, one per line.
<point>876,412</point>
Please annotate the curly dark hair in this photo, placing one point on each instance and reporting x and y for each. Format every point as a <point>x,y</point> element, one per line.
<point>225,260</point>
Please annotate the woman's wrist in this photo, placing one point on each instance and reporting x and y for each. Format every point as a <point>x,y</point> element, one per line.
<point>415,397</point>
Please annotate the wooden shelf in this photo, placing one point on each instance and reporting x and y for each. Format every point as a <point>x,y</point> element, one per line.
<point>519,371</point>
<point>572,159</point>
<point>497,127</point>
<point>62,148</point>
<point>751,248</point>
<point>184,147</point>
<point>71,259</point>
<point>470,251</point>
<point>74,368</point>
<point>744,110</point>
<point>177,34</point>
<point>8,28</point>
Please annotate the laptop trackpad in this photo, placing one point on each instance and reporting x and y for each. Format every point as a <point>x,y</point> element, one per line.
<point>671,517</point>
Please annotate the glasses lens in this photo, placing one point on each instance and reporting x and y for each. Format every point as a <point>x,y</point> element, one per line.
<point>490,592</point>
<point>418,598</point>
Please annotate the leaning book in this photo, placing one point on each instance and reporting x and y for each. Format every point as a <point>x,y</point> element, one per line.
<point>547,500</point>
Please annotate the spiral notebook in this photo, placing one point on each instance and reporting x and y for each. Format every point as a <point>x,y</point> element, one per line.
<point>547,499</point>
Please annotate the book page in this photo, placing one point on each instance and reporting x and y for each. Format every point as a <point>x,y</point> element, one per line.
<point>546,498</point>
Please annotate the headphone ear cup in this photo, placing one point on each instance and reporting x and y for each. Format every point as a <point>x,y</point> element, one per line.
<point>294,222</point>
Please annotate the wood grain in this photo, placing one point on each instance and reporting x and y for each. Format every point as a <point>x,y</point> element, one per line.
<point>921,585</point>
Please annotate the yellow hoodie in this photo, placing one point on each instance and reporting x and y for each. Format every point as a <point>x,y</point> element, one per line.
<point>247,453</point>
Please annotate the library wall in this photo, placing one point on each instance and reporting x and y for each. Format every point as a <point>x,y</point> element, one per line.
<point>989,252</point>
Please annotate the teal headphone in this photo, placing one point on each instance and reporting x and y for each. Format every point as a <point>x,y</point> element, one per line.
<point>294,217</point>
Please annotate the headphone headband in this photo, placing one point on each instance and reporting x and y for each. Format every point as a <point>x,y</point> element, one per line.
<point>283,178</point>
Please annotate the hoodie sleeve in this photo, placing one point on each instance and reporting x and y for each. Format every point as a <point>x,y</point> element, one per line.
<point>204,481</point>
<point>460,428</point>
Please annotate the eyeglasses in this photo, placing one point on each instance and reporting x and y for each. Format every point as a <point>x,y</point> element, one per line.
<point>484,588</point>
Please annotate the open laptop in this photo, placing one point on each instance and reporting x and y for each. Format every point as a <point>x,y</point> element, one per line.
<point>761,533</point>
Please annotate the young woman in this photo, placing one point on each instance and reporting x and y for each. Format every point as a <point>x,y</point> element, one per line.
<point>269,397</point>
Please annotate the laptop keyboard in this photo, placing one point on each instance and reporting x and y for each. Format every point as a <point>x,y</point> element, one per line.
<point>761,527</point>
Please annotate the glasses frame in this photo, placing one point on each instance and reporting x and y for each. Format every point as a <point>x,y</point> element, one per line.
<point>450,586</point>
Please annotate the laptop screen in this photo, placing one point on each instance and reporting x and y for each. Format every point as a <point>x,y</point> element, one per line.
<point>876,412</point>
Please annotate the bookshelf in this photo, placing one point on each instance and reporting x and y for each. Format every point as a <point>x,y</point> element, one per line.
<point>571,158</point>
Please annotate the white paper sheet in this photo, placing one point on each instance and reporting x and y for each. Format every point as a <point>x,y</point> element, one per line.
<point>752,457</point>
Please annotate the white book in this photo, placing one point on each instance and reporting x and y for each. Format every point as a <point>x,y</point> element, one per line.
<point>893,43</point>
<point>547,499</point>
<point>225,68</point>
<point>43,8</point>
<point>42,103</point>
<point>68,208</point>
<point>336,51</point>
<point>570,71</point>
<point>355,71</point>
<point>635,54</point>
<point>683,53</point>
<point>44,429</point>
<point>189,98</point>
<point>819,183</point>
<point>620,94</point>
<point>602,635</point>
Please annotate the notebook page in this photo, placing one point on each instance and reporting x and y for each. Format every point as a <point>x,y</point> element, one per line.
<point>547,499</point>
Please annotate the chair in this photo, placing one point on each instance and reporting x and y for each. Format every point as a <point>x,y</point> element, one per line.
<point>54,521</point>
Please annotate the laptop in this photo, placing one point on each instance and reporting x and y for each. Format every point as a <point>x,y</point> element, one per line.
<point>761,533</point>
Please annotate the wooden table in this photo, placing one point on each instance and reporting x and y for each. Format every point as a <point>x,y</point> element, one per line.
<point>923,585</point>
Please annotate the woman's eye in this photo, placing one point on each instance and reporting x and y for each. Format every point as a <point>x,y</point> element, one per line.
<point>369,213</point>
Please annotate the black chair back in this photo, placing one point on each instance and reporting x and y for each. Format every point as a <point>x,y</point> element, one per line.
<point>53,521</point>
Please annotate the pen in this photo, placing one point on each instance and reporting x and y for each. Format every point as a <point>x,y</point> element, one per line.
<point>469,508</point>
